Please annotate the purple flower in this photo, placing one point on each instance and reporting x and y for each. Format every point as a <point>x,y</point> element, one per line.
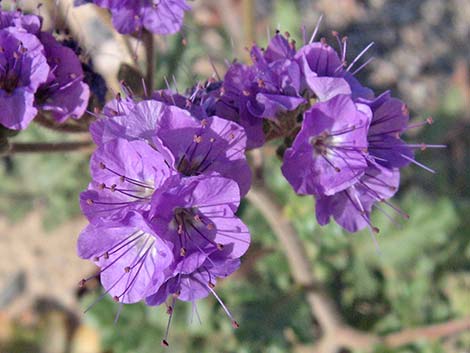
<point>330,152</point>
<point>125,174</point>
<point>29,23</point>
<point>23,69</point>
<point>64,94</point>
<point>131,256</point>
<point>351,207</point>
<point>324,73</point>
<point>190,146</point>
<point>389,121</point>
<point>238,90</point>
<point>156,16</point>
<point>197,216</point>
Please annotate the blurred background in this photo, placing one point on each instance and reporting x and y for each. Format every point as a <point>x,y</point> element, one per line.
<point>421,277</point>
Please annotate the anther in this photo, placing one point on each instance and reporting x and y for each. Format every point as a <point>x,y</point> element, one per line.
<point>102,165</point>
<point>122,178</point>
<point>246,92</point>
<point>183,252</point>
<point>169,310</point>
<point>81,284</point>
<point>113,188</point>
<point>220,246</point>
<point>197,218</point>
<point>211,285</point>
<point>197,138</point>
<point>376,230</point>
<point>165,343</point>
<point>102,186</point>
<point>235,324</point>
<point>106,255</point>
<point>210,226</point>
<point>430,120</point>
<point>116,299</point>
<point>287,34</point>
<point>89,202</point>
<point>127,269</point>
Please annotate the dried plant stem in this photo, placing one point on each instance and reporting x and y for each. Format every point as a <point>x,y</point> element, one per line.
<point>53,147</point>
<point>64,127</point>
<point>149,45</point>
<point>336,334</point>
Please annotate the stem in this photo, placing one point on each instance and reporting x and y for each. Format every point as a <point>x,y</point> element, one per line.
<point>54,147</point>
<point>64,127</point>
<point>321,306</point>
<point>249,21</point>
<point>149,45</point>
<point>336,333</point>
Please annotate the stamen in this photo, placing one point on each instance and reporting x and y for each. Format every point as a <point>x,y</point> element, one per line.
<point>229,314</point>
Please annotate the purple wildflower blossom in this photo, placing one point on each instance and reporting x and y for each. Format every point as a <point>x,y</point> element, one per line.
<point>197,215</point>
<point>29,23</point>
<point>125,174</point>
<point>64,94</point>
<point>131,256</point>
<point>23,69</point>
<point>330,152</point>
<point>156,16</point>
<point>190,146</point>
<point>351,207</point>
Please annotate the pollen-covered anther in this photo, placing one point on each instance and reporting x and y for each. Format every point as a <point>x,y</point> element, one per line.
<point>122,178</point>
<point>204,122</point>
<point>116,299</point>
<point>183,251</point>
<point>246,92</point>
<point>212,139</point>
<point>197,218</point>
<point>220,246</point>
<point>210,226</point>
<point>106,255</point>
<point>430,120</point>
<point>235,324</point>
<point>211,285</point>
<point>102,165</point>
<point>127,269</point>
<point>113,188</point>
<point>89,202</point>
<point>102,186</point>
<point>197,139</point>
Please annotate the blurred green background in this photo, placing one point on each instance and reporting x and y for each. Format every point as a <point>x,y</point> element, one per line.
<point>421,276</point>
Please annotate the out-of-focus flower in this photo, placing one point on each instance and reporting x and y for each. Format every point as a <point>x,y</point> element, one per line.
<point>156,16</point>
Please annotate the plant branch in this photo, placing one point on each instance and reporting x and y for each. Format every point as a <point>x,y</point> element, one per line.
<point>149,45</point>
<point>61,127</point>
<point>322,308</point>
<point>336,333</point>
<point>53,147</point>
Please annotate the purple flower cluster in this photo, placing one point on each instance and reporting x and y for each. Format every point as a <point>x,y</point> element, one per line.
<point>37,73</point>
<point>156,16</point>
<point>342,143</point>
<point>162,201</point>
<point>170,170</point>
